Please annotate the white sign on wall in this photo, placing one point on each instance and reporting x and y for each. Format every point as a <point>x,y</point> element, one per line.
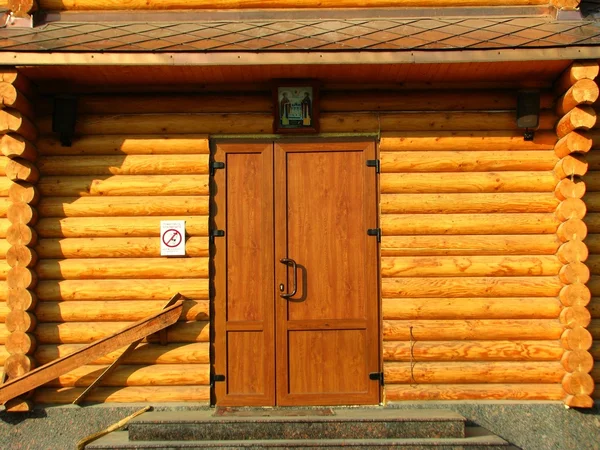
<point>172,237</point>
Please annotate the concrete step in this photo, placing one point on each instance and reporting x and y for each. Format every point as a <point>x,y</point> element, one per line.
<point>476,439</point>
<point>351,423</point>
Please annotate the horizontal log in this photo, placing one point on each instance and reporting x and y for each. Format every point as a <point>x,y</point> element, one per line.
<point>592,182</point>
<point>469,203</point>
<point>261,123</point>
<point>469,308</point>
<point>19,212</point>
<point>571,166</point>
<point>583,92</point>
<point>472,266</point>
<point>457,120</point>
<point>3,355</point>
<point>572,251</point>
<point>593,159</point>
<point>503,391</point>
<point>124,185</point>
<point>4,268</point>
<point>21,82</point>
<point>575,316</point>
<point>594,307</point>
<point>571,208</point>
<point>140,247</point>
<point>4,245</point>
<point>19,320</point>
<point>21,234</point>
<point>115,311</point>
<point>468,161</point>
<point>578,70</point>
<point>579,118</point>
<point>145,394</point>
<point>473,372</point>
<point>575,272</point>
<point>572,230</point>
<point>5,185</point>
<point>22,299</point>
<point>192,353</point>
<point>3,162</point>
<point>471,351</point>
<point>574,142</point>
<point>24,192</point>
<point>96,269</point>
<point>138,289</point>
<point>5,203</point>
<point>4,310</point>
<point>21,278</point>
<point>483,224</point>
<point>594,329</point>
<point>167,124</point>
<point>465,245</point>
<point>16,146</point>
<point>454,100</point>
<point>18,365</point>
<point>595,351</point>
<point>594,285</point>
<point>577,361</point>
<point>457,182</point>
<point>85,332</point>
<point>453,287</point>
<point>127,144</point>
<point>20,169</point>
<point>567,188</point>
<point>11,97</point>
<point>578,383</point>
<point>4,333</point>
<point>468,330</point>
<point>123,206</point>
<point>20,342</point>
<point>157,103</point>
<point>13,121</point>
<point>124,165</point>
<point>592,220</point>
<point>80,227</point>
<point>21,255</point>
<point>464,141</point>
<point>593,263</point>
<point>577,338</point>
<point>128,375</point>
<point>580,401</point>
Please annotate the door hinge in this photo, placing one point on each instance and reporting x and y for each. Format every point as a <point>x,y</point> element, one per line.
<point>375,232</point>
<point>216,165</point>
<point>376,376</point>
<point>214,378</point>
<point>216,233</point>
<point>374,163</point>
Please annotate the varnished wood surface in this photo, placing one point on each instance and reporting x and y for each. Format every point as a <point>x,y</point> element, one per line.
<point>244,290</point>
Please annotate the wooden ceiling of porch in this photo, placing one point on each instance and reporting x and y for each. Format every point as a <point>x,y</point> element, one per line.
<point>81,78</point>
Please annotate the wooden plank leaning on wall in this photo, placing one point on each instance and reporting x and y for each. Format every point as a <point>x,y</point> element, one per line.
<point>17,144</point>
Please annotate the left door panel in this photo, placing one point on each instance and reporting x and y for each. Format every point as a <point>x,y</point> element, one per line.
<point>243,283</point>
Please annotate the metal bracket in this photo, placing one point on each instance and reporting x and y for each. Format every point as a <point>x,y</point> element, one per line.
<point>214,378</point>
<point>216,233</point>
<point>375,232</point>
<point>216,165</point>
<point>377,376</point>
<point>528,135</point>
<point>374,163</point>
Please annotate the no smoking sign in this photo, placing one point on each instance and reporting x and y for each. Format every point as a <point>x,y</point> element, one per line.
<point>172,237</point>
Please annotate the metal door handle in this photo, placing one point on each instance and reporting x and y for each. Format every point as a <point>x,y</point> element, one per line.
<point>295,282</point>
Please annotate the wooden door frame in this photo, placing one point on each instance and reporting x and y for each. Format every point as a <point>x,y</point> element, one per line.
<point>219,278</point>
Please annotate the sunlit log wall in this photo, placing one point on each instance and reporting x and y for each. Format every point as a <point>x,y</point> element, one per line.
<point>577,90</point>
<point>592,198</point>
<point>471,267</point>
<point>99,255</point>
<point>19,215</point>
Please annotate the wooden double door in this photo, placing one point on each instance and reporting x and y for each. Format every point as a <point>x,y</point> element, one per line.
<point>296,310</point>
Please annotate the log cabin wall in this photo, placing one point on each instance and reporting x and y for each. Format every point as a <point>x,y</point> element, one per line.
<point>592,201</point>
<point>19,197</point>
<point>470,270</point>
<point>100,266</point>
